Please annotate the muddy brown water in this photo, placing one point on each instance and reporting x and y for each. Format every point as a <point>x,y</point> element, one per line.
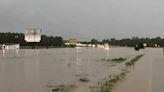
<point>37,70</point>
<point>147,75</point>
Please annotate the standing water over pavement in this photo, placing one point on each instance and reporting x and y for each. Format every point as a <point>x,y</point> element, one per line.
<point>147,74</point>
<point>36,70</point>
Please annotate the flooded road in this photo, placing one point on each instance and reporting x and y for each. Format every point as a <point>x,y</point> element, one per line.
<point>147,74</point>
<point>38,70</point>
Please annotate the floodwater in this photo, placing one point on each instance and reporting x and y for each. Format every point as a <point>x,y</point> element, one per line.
<point>35,70</point>
<point>147,74</point>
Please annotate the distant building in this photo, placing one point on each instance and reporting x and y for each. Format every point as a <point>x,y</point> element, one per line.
<point>100,46</point>
<point>66,43</point>
<point>89,45</point>
<point>93,46</point>
<point>81,45</point>
<point>72,42</point>
<point>9,46</point>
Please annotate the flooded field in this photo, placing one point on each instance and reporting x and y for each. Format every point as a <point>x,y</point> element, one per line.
<point>42,69</point>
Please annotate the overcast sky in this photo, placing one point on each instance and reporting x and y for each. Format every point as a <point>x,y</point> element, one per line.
<point>85,19</point>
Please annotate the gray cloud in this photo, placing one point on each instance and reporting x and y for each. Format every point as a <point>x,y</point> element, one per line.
<point>84,19</point>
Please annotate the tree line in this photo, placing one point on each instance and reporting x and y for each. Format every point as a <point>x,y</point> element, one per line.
<point>19,38</point>
<point>130,42</point>
<point>59,42</point>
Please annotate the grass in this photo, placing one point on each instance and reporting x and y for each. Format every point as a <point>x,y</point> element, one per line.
<point>84,79</point>
<point>108,84</point>
<point>132,62</point>
<point>117,60</point>
<point>60,88</point>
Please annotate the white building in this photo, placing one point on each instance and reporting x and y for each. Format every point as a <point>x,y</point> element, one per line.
<point>10,46</point>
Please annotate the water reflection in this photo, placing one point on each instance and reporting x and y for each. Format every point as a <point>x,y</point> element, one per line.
<point>17,52</point>
<point>67,59</point>
<point>108,53</point>
<point>19,75</point>
<point>3,53</point>
<point>31,70</point>
<point>3,66</point>
<point>31,74</point>
<point>78,61</point>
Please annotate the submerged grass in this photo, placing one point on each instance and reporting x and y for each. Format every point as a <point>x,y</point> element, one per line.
<point>107,84</point>
<point>116,60</point>
<point>132,62</point>
<point>61,88</point>
<point>119,60</point>
<point>84,79</point>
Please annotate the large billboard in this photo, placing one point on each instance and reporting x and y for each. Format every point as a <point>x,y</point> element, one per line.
<point>33,35</point>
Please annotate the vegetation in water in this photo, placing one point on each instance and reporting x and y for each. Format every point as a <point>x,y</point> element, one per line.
<point>119,60</point>
<point>116,60</point>
<point>107,84</point>
<point>132,62</point>
<point>84,79</point>
<point>60,88</point>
